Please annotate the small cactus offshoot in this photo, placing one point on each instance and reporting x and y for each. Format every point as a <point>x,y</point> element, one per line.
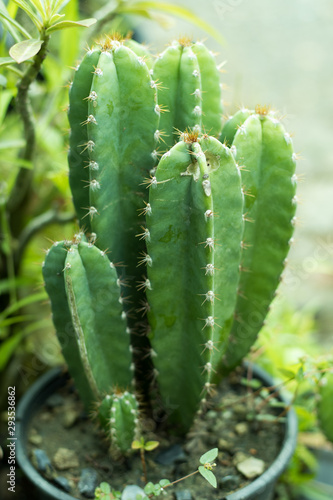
<point>183,240</point>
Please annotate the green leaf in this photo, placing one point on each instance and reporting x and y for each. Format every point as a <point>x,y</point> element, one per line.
<point>4,61</point>
<point>30,299</point>
<point>325,406</point>
<point>13,143</point>
<point>5,98</point>
<point>209,456</point>
<point>25,50</point>
<point>300,374</point>
<point>55,18</point>
<point>253,383</point>
<point>8,284</point>
<point>287,373</point>
<point>18,162</point>
<point>8,347</point>
<point>28,10</point>
<point>13,321</point>
<point>69,41</point>
<point>58,5</point>
<point>86,23</point>
<point>40,8</point>
<point>208,475</point>
<point>175,10</point>
<point>149,488</point>
<point>105,487</point>
<point>12,23</point>
<point>151,445</point>
<point>136,445</point>
<point>164,482</point>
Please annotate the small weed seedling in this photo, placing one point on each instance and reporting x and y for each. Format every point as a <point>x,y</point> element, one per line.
<point>154,490</point>
<point>144,446</point>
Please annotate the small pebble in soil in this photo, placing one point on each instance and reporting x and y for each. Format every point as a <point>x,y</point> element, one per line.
<point>35,438</point>
<point>238,457</point>
<point>42,463</point>
<point>131,491</point>
<point>240,410</point>
<point>183,495</point>
<point>227,415</point>
<point>62,483</point>
<point>241,428</point>
<point>69,417</point>
<point>88,482</point>
<point>54,401</point>
<point>65,459</point>
<point>230,482</point>
<point>172,455</point>
<point>211,414</point>
<point>251,467</point>
<point>225,445</point>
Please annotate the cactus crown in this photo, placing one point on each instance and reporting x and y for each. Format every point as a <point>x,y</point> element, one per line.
<point>180,254</point>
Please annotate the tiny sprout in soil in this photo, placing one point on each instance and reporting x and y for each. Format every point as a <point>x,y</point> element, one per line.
<point>103,492</point>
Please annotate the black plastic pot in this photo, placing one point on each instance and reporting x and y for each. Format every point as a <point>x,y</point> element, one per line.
<point>261,488</point>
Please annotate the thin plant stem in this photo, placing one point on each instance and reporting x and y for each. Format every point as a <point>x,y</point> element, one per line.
<point>24,177</point>
<point>175,482</point>
<point>144,465</point>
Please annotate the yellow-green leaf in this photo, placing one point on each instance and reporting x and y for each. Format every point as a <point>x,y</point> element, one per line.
<point>22,51</point>
<point>136,445</point>
<point>175,10</point>
<point>11,23</point>
<point>86,23</point>
<point>151,445</point>
<point>4,61</point>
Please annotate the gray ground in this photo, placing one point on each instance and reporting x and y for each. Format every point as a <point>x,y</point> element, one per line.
<point>280,52</point>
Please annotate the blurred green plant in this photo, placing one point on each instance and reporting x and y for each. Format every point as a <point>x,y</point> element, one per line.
<point>37,50</point>
<point>28,112</point>
<point>298,364</point>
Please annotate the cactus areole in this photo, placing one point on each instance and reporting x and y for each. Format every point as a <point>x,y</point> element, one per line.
<point>183,238</point>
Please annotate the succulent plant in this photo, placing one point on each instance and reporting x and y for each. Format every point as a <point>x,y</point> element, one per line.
<point>190,90</point>
<point>168,283</point>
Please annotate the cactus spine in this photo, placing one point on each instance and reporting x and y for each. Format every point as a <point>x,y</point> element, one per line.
<point>181,257</point>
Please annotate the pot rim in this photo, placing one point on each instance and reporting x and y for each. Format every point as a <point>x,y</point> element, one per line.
<point>55,378</point>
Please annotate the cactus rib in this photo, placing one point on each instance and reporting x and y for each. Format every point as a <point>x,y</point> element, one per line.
<point>269,161</point>
<point>188,327</point>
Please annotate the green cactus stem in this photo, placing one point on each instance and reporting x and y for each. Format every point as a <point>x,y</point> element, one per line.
<point>194,228</point>
<point>233,123</point>
<point>265,151</point>
<point>119,137</point>
<point>119,416</point>
<point>190,91</point>
<point>140,50</point>
<point>78,154</point>
<point>94,311</point>
<point>53,273</point>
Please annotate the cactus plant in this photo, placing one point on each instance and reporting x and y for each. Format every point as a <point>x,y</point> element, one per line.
<point>190,89</point>
<point>168,284</point>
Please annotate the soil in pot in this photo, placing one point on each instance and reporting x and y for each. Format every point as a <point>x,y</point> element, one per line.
<point>247,445</point>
